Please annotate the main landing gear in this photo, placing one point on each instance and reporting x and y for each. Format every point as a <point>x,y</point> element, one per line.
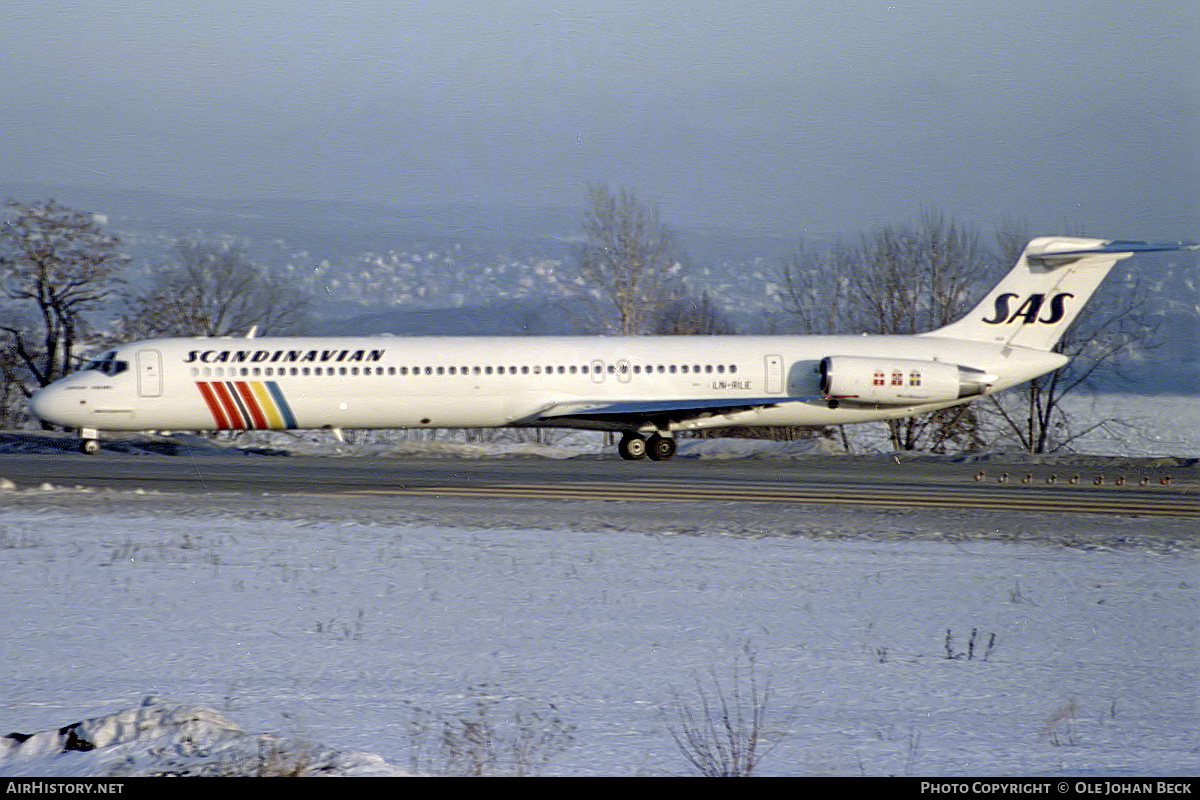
<point>634,447</point>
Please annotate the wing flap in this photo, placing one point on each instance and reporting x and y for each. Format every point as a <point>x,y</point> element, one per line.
<point>638,411</point>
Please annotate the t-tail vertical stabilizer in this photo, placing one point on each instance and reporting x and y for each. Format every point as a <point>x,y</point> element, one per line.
<point>1039,299</point>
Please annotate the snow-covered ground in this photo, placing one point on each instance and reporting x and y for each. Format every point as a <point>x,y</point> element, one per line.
<point>338,633</point>
<point>355,643</point>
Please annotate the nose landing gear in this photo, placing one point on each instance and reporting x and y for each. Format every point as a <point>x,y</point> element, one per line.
<point>89,443</point>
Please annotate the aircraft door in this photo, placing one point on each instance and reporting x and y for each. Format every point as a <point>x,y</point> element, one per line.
<point>624,371</point>
<point>149,376</point>
<point>774,377</point>
<point>597,371</point>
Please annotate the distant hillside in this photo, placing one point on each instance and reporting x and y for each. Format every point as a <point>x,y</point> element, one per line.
<point>383,257</point>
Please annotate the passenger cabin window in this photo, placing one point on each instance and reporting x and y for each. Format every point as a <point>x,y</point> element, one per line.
<point>110,365</point>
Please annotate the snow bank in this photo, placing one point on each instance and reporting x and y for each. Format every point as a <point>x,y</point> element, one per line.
<point>385,444</point>
<point>721,449</point>
<point>160,738</point>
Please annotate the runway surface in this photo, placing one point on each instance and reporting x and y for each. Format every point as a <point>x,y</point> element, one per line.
<point>1119,487</point>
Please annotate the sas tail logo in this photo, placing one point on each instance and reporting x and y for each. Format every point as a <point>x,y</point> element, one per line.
<point>1028,311</point>
<point>247,404</point>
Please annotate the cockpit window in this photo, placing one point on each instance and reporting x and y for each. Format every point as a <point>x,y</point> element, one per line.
<point>108,364</point>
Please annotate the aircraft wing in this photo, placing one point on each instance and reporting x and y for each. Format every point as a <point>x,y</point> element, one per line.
<point>636,412</point>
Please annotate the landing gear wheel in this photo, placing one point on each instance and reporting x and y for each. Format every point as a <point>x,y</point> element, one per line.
<point>660,448</point>
<point>632,447</point>
<point>89,446</point>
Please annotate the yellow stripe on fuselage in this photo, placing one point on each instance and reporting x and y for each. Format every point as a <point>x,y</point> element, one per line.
<point>267,404</point>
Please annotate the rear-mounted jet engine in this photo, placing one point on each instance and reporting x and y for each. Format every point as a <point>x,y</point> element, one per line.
<point>901,382</point>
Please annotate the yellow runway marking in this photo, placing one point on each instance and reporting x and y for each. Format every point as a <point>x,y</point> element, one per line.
<point>953,497</point>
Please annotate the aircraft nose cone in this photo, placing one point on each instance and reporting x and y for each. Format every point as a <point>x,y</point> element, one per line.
<point>49,405</point>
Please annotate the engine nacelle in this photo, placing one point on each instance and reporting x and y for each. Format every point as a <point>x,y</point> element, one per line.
<point>899,382</point>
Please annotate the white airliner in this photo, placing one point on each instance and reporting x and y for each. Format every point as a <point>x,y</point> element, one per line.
<point>645,387</point>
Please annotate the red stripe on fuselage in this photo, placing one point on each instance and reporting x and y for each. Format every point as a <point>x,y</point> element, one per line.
<point>230,406</point>
<point>214,405</point>
<point>260,419</point>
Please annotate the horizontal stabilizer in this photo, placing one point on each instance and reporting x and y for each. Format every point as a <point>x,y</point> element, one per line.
<point>1125,246</point>
<point>1051,253</point>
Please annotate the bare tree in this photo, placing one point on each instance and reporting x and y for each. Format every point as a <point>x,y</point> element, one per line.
<point>693,316</point>
<point>906,279</point>
<point>213,289</point>
<point>630,259</point>
<point>12,388</point>
<point>56,265</point>
<point>894,280</point>
<point>816,288</point>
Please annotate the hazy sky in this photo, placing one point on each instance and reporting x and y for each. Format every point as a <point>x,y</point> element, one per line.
<point>789,117</point>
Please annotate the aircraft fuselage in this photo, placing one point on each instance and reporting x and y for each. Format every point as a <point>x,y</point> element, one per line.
<point>467,382</point>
